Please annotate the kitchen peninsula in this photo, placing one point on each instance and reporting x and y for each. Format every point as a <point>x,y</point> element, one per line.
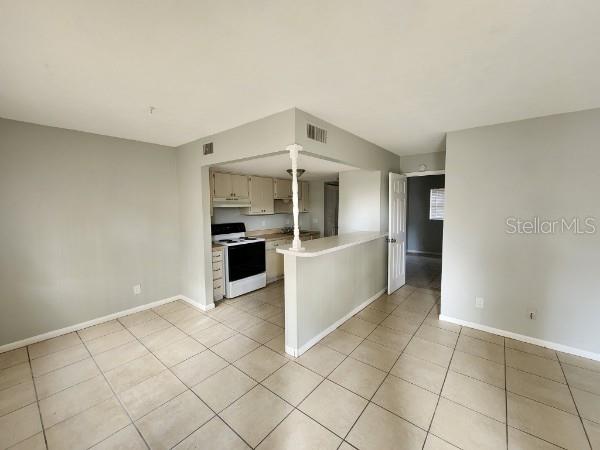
<point>328,282</point>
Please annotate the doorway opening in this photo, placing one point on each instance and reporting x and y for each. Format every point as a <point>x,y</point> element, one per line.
<point>424,229</point>
<point>331,208</point>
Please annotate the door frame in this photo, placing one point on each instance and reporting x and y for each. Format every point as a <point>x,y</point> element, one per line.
<point>424,173</point>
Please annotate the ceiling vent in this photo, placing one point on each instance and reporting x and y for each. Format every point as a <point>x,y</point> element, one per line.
<point>315,133</point>
<point>207,148</point>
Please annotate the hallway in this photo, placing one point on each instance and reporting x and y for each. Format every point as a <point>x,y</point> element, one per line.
<point>423,271</point>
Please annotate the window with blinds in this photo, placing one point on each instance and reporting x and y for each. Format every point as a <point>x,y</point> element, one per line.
<point>437,200</point>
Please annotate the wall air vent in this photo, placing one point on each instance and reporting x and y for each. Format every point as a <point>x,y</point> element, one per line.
<point>207,148</point>
<point>315,133</point>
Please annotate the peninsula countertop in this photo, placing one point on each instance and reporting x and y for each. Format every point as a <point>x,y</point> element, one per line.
<point>330,244</point>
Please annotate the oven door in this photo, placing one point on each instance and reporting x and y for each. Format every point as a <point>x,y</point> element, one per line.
<point>245,260</point>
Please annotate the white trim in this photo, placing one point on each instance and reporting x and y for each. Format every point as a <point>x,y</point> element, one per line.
<point>422,252</point>
<point>82,325</point>
<point>524,338</point>
<point>295,353</point>
<point>424,173</point>
<point>196,304</point>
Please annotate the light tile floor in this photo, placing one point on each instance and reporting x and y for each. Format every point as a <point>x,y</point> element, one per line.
<point>391,377</point>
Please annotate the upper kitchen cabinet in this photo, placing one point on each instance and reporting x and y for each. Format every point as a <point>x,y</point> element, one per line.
<point>240,186</point>
<point>282,189</point>
<point>230,187</point>
<point>261,196</point>
<point>285,205</point>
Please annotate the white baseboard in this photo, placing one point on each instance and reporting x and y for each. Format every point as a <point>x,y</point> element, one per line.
<point>196,304</point>
<point>82,325</point>
<point>297,352</point>
<point>524,338</point>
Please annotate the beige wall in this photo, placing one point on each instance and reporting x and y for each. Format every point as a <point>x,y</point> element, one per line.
<point>83,218</point>
<point>547,167</point>
<point>360,206</point>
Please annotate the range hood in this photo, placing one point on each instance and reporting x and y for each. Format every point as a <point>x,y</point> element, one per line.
<point>231,203</point>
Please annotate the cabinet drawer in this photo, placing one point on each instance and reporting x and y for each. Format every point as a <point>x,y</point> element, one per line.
<point>217,256</point>
<point>217,271</point>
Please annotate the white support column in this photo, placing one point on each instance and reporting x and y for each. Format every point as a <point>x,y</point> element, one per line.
<point>294,149</point>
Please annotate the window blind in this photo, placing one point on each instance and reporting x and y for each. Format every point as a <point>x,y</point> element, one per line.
<point>437,200</point>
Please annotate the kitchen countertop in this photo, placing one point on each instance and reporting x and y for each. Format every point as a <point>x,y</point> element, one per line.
<point>274,236</point>
<point>331,244</point>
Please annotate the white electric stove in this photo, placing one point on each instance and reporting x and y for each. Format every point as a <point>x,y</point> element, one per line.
<point>244,258</point>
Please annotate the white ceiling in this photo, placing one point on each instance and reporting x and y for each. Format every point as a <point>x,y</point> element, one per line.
<point>275,166</point>
<point>398,73</point>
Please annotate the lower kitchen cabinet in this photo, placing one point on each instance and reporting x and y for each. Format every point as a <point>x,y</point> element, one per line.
<point>218,272</point>
<point>274,259</point>
<point>275,269</point>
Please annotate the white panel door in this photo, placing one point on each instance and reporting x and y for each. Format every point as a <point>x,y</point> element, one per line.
<point>397,233</point>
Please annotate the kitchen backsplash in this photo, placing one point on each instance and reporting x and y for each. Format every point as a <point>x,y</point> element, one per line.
<point>226,215</point>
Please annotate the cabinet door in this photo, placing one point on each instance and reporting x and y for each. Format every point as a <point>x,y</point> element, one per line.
<point>272,264</point>
<point>279,270</point>
<point>283,188</point>
<point>305,199</point>
<point>239,186</point>
<point>222,185</point>
<point>267,196</point>
<point>261,195</point>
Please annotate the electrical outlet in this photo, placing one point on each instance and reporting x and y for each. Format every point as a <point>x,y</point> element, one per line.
<point>532,314</point>
<point>137,289</point>
<point>479,302</point>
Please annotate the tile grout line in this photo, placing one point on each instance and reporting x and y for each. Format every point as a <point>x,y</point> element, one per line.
<point>217,414</point>
<point>54,352</point>
<point>187,388</point>
<point>575,403</point>
<point>181,381</point>
<point>315,388</point>
<point>370,400</point>
<point>118,400</point>
<point>37,402</point>
<point>309,393</point>
<point>395,331</point>
<point>442,386</point>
